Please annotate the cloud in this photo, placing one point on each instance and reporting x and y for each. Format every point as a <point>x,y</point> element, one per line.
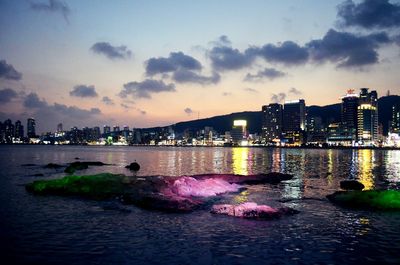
<point>252,90</point>
<point>225,94</point>
<point>125,106</point>
<point>295,91</point>
<point>347,49</point>
<point>186,76</point>
<point>287,53</point>
<point>7,71</point>
<point>276,98</point>
<point>222,40</point>
<point>269,73</point>
<point>369,14</point>
<point>108,101</point>
<point>32,101</point>
<point>188,111</point>
<point>175,61</point>
<point>83,91</point>
<point>225,58</point>
<point>146,88</point>
<point>7,94</point>
<point>111,52</point>
<point>55,6</point>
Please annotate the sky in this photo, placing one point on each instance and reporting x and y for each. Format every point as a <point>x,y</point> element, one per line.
<point>156,63</point>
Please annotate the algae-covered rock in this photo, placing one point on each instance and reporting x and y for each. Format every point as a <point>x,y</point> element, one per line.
<point>370,199</point>
<point>100,186</point>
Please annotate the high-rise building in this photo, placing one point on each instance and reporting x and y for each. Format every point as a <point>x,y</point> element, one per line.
<point>272,122</point>
<point>116,128</point>
<point>395,123</point>
<point>19,130</point>
<point>239,132</point>
<point>294,121</point>
<point>8,127</point>
<point>59,127</point>
<point>96,133</point>
<point>349,110</point>
<point>31,128</point>
<point>106,129</point>
<point>367,117</point>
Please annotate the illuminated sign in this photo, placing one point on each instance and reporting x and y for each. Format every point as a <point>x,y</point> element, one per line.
<point>239,123</point>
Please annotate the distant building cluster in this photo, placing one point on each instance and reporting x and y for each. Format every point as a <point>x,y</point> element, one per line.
<point>290,125</point>
<point>286,124</point>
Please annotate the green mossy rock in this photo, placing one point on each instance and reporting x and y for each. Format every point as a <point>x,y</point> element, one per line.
<point>100,186</point>
<point>370,199</point>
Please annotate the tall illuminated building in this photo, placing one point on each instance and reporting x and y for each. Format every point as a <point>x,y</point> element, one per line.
<point>239,132</point>
<point>395,123</point>
<point>272,122</point>
<point>294,121</point>
<point>349,112</point>
<point>367,117</point>
<point>31,128</point>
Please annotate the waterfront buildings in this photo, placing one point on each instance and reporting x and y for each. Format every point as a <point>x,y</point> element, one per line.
<point>272,116</point>
<point>239,132</point>
<point>31,128</point>
<point>294,122</point>
<point>349,114</point>
<point>367,118</point>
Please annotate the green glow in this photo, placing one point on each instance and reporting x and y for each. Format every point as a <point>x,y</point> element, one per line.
<point>371,199</point>
<point>100,186</point>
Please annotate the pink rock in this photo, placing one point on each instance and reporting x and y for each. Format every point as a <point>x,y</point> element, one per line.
<point>188,186</point>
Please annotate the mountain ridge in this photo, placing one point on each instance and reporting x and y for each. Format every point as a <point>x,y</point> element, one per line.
<point>328,113</point>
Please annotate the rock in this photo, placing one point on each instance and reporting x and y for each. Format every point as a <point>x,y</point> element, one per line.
<point>28,165</point>
<point>269,178</point>
<point>370,199</point>
<point>134,166</point>
<point>78,165</point>
<point>351,185</point>
<point>100,186</point>
<point>251,210</point>
<point>53,165</point>
<point>189,186</point>
<point>75,166</point>
<point>170,194</point>
<point>77,158</point>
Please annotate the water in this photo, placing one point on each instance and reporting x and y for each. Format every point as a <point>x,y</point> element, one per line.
<point>57,230</point>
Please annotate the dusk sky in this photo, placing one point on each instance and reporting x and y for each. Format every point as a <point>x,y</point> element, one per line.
<point>153,63</point>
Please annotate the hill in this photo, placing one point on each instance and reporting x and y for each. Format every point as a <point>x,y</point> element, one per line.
<point>328,114</point>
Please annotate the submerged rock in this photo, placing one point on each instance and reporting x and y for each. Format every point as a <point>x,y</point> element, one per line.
<point>28,165</point>
<point>370,199</point>
<point>53,165</point>
<point>251,210</point>
<point>78,165</point>
<point>269,178</point>
<point>351,185</point>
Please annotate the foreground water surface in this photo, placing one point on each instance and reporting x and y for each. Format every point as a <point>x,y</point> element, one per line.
<point>57,230</point>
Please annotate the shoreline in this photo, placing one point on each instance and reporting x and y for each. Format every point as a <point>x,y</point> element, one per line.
<point>205,146</point>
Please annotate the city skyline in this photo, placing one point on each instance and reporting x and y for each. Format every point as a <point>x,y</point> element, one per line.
<point>158,63</point>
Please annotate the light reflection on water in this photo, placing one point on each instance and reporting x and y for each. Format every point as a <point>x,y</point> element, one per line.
<point>73,231</point>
